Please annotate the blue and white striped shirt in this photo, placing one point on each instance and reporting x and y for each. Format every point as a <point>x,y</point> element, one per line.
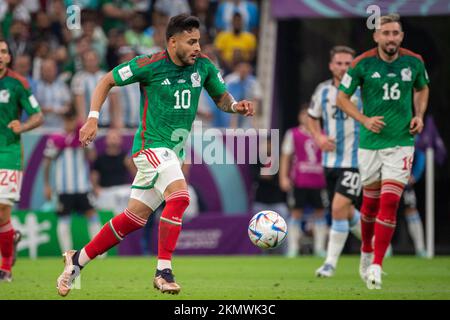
<point>337,124</point>
<point>130,96</point>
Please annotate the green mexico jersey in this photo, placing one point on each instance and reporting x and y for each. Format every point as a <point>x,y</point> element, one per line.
<point>386,90</point>
<point>15,97</point>
<point>169,97</point>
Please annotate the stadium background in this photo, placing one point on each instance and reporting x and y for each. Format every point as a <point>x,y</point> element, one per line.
<point>299,62</point>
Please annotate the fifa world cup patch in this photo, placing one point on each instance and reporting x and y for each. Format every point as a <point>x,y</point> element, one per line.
<point>346,80</point>
<point>196,79</point>
<point>4,96</point>
<point>125,73</point>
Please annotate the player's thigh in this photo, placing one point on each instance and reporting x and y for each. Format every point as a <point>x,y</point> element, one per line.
<point>341,207</point>
<point>65,205</point>
<point>397,163</point>
<point>370,164</point>
<point>349,184</point>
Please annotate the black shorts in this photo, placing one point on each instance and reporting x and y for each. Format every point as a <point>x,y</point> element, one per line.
<point>346,181</point>
<point>314,198</point>
<point>77,202</point>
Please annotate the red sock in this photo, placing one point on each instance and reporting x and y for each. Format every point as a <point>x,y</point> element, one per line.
<point>369,211</point>
<point>113,232</point>
<point>170,223</point>
<point>386,220</point>
<point>7,245</point>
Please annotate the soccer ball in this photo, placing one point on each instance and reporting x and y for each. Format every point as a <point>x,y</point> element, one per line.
<point>267,229</point>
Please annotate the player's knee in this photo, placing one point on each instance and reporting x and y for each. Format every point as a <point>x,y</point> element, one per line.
<point>5,212</point>
<point>179,199</point>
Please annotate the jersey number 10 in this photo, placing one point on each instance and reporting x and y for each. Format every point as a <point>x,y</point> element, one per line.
<point>183,99</point>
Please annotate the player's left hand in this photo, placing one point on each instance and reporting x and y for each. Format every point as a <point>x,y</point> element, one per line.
<point>245,108</point>
<point>15,126</point>
<point>416,125</point>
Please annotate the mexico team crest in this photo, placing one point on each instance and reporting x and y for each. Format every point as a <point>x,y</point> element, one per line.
<point>406,74</point>
<point>4,96</point>
<point>196,79</point>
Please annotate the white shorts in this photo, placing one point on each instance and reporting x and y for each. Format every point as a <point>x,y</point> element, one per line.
<point>385,164</point>
<point>157,168</point>
<point>10,185</point>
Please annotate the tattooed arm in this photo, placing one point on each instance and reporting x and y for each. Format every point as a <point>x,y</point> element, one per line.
<point>226,103</point>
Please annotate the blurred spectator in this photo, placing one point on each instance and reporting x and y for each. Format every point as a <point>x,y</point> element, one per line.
<point>83,85</point>
<point>172,8</point>
<point>53,95</point>
<point>302,175</point>
<point>130,95</point>
<point>136,37</point>
<point>42,30</point>
<point>72,186</point>
<point>117,13</point>
<point>244,86</point>
<point>22,65</point>
<point>236,44</point>
<point>77,50</point>
<point>116,40</point>
<point>19,38</point>
<point>12,10</point>
<point>110,175</point>
<point>96,37</point>
<point>204,11</point>
<point>41,52</point>
<point>247,9</point>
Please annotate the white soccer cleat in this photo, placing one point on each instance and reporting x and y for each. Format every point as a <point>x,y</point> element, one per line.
<point>374,277</point>
<point>364,263</point>
<point>64,281</point>
<point>325,271</point>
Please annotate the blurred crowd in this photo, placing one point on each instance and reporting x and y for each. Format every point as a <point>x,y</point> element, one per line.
<point>63,47</point>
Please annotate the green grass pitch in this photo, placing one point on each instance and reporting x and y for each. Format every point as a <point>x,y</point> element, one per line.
<point>233,278</point>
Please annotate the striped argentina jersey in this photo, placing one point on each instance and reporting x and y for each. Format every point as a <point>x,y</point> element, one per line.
<point>336,124</point>
<point>71,166</point>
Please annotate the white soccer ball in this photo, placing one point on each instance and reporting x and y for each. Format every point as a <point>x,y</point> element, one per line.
<point>267,229</point>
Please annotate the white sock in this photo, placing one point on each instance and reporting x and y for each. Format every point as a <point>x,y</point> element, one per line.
<point>338,235</point>
<point>355,224</point>
<point>164,264</point>
<point>83,258</point>
<point>64,233</point>
<point>320,230</point>
<point>293,236</point>
<point>415,228</point>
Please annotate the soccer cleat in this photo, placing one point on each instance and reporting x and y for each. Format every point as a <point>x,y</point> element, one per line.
<point>325,271</point>
<point>165,282</point>
<point>5,276</point>
<point>64,282</point>
<point>17,238</point>
<point>374,277</point>
<point>364,263</point>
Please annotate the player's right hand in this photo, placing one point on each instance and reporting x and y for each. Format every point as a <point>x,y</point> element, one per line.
<point>326,143</point>
<point>375,124</point>
<point>88,131</point>
<point>285,184</point>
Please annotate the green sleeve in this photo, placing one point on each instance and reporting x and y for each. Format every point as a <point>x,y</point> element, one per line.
<point>214,83</point>
<point>27,101</point>
<point>135,70</point>
<point>422,76</point>
<point>351,80</point>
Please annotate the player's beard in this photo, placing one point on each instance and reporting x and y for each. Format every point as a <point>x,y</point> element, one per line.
<point>392,51</point>
<point>184,58</point>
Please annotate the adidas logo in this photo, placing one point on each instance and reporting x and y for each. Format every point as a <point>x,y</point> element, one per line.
<point>165,82</point>
<point>376,75</point>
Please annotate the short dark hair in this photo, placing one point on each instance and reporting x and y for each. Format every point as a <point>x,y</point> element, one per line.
<point>341,49</point>
<point>180,23</point>
<point>70,114</point>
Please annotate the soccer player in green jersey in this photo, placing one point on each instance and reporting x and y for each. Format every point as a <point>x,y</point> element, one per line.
<point>15,97</point>
<point>170,82</point>
<point>391,78</point>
